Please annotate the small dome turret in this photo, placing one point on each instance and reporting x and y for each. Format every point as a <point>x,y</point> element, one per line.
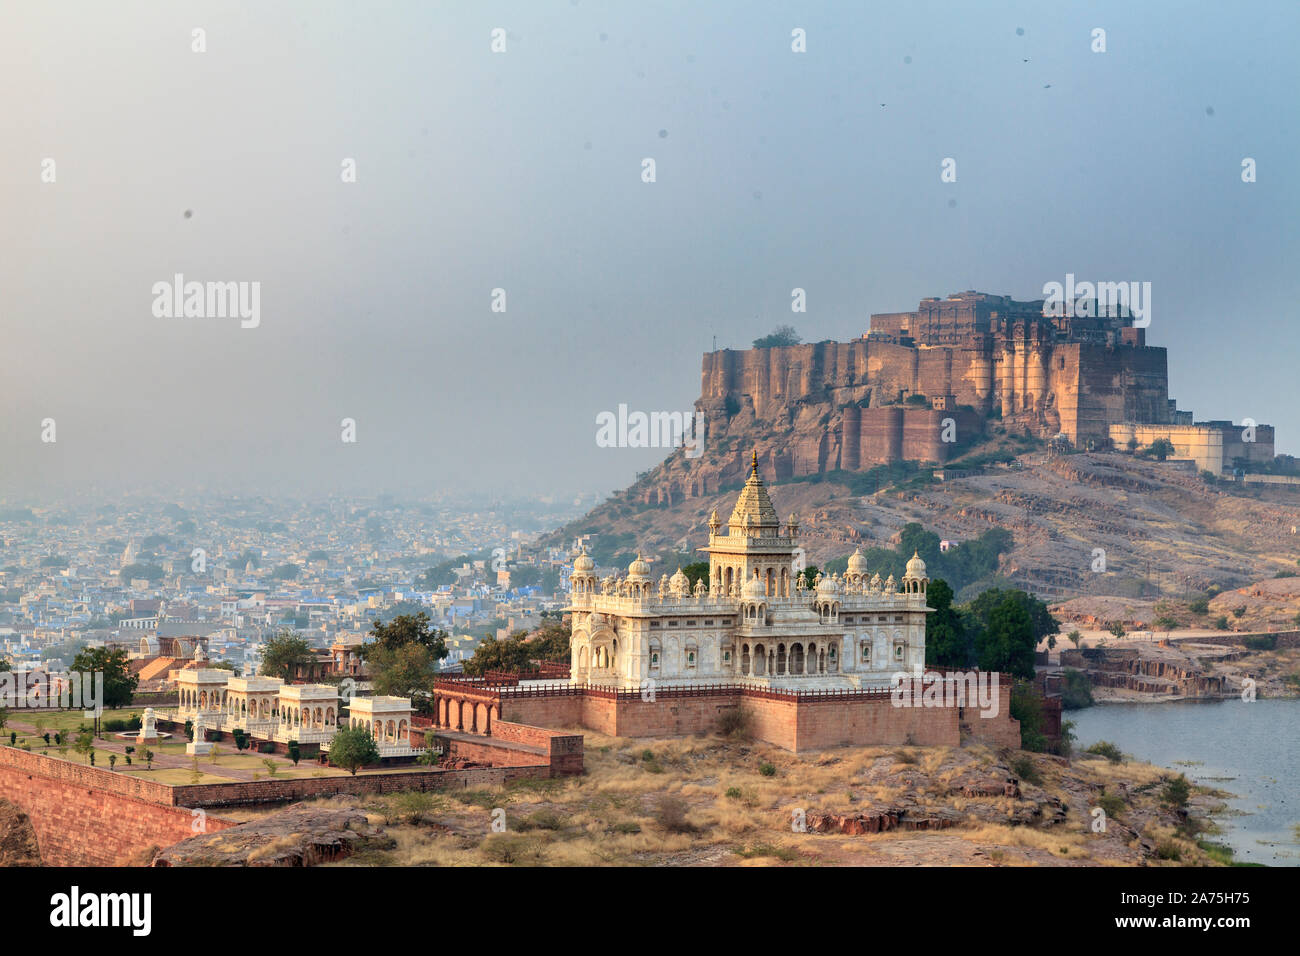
<point>638,569</point>
<point>679,583</point>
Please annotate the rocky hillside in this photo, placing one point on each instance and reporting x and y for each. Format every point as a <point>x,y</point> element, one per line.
<point>1157,526</point>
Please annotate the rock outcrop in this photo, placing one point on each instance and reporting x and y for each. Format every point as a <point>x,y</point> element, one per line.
<point>17,838</point>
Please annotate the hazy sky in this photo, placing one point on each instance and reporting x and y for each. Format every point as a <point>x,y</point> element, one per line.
<point>522,170</point>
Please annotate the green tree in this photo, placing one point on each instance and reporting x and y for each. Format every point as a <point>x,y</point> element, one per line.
<point>85,743</point>
<point>119,682</point>
<point>946,643</point>
<point>353,748</point>
<point>283,654</point>
<point>1027,707</point>
<point>405,629</point>
<point>510,654</point>
<point>781,335</point>
<point>1161,448</point>
<point>1005,641</point>
<point>407,671</point>
<point>699,571</point>
<point>286,572</point>
<point>150,572</point>
<point>440,574</point>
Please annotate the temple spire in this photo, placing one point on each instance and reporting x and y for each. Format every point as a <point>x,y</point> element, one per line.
<point>753,466</point>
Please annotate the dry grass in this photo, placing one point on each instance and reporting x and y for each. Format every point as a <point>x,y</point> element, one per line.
<point>703,801</point>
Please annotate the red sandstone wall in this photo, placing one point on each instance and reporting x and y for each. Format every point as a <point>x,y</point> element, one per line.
<point>80,822</point>
<point>482,750</point>
<point>849,722</point>
<point>544,711</point>
<point>563,751</point>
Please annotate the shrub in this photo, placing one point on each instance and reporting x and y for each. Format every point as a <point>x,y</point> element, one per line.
<point>1104,748</point>
<point>670,813</point>
<point>1024,768</point>
<point>412,806</point>
<point>1221,622</point>
<point>1200,605</point>
<point>1264,642</point>
<point>767,770</point>
<point>509,848</point>
<point>544,820</point>
<point>735,722</point>
<point>1076,689</point>
<point>1111,803</point>
<point>1168,850</point>
<point>1176,791</point>
<point>733,793</point>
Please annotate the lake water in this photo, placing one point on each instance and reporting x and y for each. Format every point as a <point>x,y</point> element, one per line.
<point>1256,744</point>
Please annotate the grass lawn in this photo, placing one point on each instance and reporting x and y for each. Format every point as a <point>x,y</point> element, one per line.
<point>61,720</point>
<point>176,776</point>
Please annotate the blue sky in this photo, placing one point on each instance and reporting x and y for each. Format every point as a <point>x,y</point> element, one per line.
<point>521,170</point>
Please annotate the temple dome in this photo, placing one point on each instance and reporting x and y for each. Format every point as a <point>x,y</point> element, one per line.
<point>583,562</point>
<point>828,585</point>
<point>754,589</point>
<point>915,566</point>
<point>857,563</point>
